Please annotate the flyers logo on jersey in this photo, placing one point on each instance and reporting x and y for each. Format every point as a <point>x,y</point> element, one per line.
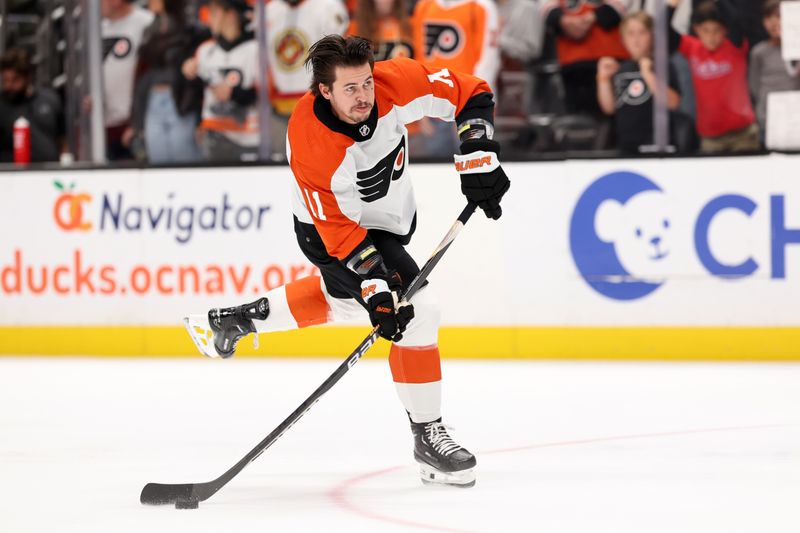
<point>443,39</point>
<point>373,184</point>
<point>392,49</point>
<point>119,46</point>
<point>231,76</point>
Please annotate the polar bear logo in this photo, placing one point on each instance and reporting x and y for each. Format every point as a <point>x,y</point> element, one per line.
<point>640,233</point>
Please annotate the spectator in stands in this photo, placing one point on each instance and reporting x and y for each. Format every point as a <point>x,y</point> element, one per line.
<point>168,130</point>
<point>387,24</point>
<point>768,71</point>
<point>459,35</point>
<point>585,31</point>
<point>681,23</point>
<point>122,29</point>
<point>718,58</point>
<point>294,25</point>
<point>227,66</point>
<point>40,106</point>
<point>625,90</point>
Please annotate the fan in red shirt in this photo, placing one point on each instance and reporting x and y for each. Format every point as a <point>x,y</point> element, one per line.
<point>718,60</point>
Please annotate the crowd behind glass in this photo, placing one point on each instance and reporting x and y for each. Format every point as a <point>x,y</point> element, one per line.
<point>181,82</point>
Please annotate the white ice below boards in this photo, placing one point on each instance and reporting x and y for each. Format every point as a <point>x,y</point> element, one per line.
<point>562,447</point>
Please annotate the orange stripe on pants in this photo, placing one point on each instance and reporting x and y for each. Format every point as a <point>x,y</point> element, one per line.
<point>415,364</point>
<point>307,302</point>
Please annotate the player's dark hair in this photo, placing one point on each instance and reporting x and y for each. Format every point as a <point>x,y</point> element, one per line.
<point>336,51</point>
<point>18,60</point>
<point>708,12</point>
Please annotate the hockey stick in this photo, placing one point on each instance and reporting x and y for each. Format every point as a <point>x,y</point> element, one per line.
<point>188,495</point>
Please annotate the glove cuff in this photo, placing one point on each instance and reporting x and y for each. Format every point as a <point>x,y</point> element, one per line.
<point>476,145</point>
<point>479,162</point>
<point>371,287</point>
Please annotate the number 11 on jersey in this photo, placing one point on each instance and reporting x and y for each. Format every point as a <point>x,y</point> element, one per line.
<point>316,207</point>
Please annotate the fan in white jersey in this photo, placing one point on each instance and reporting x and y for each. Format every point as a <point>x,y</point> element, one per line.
<point>228,67</point>
<point>292,27</point>
<point>122,28</point>
<point>354,212</point>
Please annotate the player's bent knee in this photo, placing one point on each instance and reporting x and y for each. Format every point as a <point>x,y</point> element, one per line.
<point>423,330</point>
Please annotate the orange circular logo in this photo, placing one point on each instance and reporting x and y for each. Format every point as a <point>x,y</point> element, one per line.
<point>291,48</point>
<point>68,212</point>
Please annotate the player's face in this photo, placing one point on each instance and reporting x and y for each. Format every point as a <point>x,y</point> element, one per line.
<point>637,39</point>
<point>711,34</point>
<point>352,95</point>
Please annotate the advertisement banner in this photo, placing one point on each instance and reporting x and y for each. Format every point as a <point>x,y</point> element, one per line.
<point>702,254</point>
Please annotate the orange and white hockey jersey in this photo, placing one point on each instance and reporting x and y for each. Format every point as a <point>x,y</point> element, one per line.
<point>458,34</point>
<point>291,30</point>
<point>351,177</point>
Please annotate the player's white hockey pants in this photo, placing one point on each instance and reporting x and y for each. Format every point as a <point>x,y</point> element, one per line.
<point>414,361</point>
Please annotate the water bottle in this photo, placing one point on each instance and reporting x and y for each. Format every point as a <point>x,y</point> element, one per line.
<point>22,141</point>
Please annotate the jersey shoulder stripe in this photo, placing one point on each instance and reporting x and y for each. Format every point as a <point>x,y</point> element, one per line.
<point>314,146</point>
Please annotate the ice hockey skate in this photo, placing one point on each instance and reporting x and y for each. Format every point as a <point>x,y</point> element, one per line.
<point>442,461</point>
<point>216,334</point>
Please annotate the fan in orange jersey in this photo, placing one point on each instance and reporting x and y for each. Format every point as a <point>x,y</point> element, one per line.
<point>585,30</point>
<point>354,211</point>
<point>386,23</point>
<point>460,35</point>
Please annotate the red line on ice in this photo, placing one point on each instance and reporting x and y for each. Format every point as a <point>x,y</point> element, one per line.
<point>339,492</point>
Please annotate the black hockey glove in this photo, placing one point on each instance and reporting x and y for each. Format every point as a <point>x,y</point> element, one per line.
<point>380,290</point>
<point>483,180</point>
<point>381,296</point>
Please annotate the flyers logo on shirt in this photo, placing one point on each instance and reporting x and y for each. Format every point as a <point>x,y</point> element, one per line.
<point>373,184</point>
<point>120,47</point>
<point>392,49</point>
<point>291,47</point>
<point>231,76</point>
<point>443,39</point>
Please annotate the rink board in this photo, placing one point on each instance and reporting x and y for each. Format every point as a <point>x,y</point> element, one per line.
<point>643,259</point>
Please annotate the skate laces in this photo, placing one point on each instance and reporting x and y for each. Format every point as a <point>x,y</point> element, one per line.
<point>439,439</point>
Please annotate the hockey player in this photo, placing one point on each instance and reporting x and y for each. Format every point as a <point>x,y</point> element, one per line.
<point>354,210</point>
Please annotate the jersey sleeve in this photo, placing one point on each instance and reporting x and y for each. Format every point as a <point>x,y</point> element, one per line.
<point>201,55</point>
<point>416,92</point>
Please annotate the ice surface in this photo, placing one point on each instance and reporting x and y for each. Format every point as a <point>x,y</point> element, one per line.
<point>562,447</point>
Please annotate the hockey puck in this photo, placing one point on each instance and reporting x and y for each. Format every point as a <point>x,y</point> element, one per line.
<point>187,504</point>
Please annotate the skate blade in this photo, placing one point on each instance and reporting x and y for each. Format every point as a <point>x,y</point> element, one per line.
<point>200,331</point>
<point>461,479</point>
